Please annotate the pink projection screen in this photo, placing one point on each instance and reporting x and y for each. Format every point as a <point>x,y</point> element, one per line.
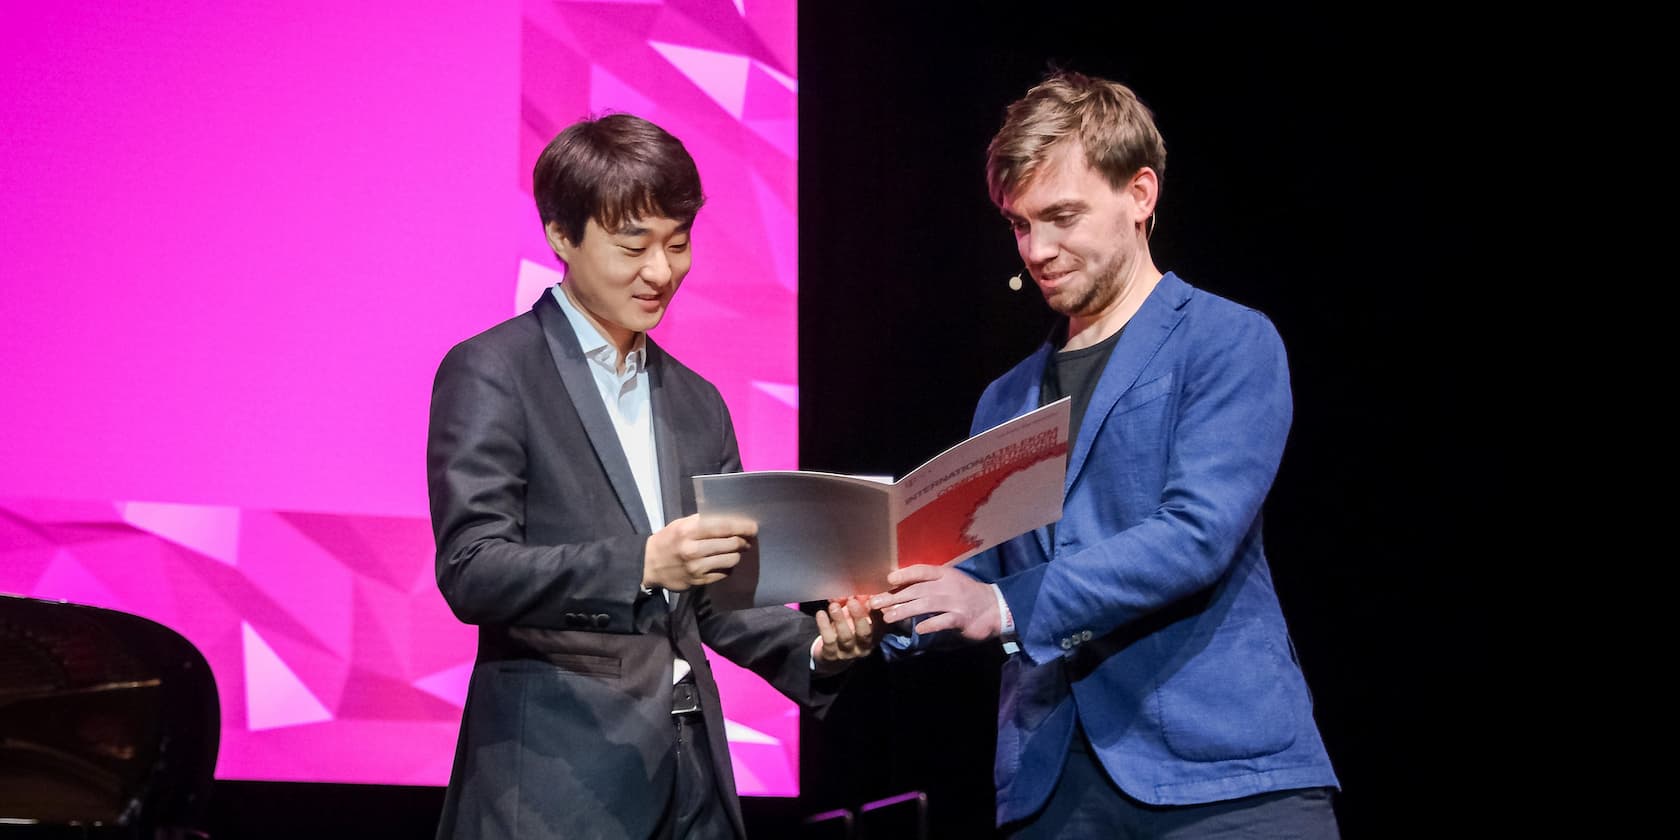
<point>239,237</point>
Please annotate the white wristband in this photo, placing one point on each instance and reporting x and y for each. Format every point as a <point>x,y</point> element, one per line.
<point>1006,622</point>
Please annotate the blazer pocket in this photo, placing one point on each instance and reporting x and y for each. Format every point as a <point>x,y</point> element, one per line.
<point>1132,458</point>
<point>553,664</point>
<point>586,663</point>
<point>1144,393</point>
<point>1234,698</point>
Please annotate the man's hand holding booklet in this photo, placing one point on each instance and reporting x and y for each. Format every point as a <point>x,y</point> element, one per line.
<point>825,535</point>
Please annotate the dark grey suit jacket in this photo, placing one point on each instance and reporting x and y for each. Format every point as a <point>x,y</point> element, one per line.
<point>540,539</point>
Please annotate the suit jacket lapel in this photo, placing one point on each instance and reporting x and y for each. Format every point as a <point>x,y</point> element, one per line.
<point>586,398</point>
<point>665,437</point>
<point>671,479</point>
<point>1029,397</point>
<point>1144,335</point>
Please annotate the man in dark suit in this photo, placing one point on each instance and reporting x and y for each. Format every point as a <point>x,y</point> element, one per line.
<point>1151,688</point>
<point>559,454</point>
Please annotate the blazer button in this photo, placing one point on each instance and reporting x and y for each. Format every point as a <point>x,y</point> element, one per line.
<point>1067,644</point>
<point>602,620</point>
<point>1085,636</point>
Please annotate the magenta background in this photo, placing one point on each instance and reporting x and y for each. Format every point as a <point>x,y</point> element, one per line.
<point>235,240</point>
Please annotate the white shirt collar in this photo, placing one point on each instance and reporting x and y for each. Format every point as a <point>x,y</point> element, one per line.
<point>595,345</point>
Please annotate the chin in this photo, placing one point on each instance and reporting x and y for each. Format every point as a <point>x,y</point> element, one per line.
<point>1063,302</point>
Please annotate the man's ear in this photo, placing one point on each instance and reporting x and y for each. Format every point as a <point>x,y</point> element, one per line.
<point>557,240</point>
<point>1145,190</point>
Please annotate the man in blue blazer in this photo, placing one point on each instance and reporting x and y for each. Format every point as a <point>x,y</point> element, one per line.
<point>1151,688</point>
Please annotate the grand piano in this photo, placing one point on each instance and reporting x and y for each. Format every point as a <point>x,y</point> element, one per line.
<point>109,725</point>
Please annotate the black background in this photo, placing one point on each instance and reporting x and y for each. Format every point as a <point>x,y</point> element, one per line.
<point>1340,170</point>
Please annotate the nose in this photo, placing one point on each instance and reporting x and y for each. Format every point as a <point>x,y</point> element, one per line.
<point>1037,245</point>
<point>657,270</point>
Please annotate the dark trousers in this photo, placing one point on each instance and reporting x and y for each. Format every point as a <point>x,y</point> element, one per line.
<point>696,810</point>
<point>1087,803</point>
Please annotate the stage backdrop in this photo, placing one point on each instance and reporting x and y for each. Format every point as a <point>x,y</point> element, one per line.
<point>238,237</point>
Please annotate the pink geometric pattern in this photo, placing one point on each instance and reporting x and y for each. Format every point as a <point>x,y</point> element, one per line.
<point>239,239</point>
<point>725,84</point>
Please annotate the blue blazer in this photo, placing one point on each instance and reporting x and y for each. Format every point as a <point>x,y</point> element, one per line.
<point>1153,620</point>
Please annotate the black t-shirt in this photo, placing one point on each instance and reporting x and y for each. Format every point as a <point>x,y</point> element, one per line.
<point>1074,373</point>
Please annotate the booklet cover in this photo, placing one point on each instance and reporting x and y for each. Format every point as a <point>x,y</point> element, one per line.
<point>825,535</point>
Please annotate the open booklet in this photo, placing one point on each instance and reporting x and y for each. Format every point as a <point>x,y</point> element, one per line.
<point>824,535</point>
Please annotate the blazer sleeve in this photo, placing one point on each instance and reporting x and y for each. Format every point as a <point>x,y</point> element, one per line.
<point>476,463</point>
<point>1223,449</point>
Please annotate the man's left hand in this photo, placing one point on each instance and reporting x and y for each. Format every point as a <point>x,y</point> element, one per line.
<point>846,633</point>
<point>957,601</point>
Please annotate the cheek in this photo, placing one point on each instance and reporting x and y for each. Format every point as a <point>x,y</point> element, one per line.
<point>1089,253</point>
<point>680,264</point>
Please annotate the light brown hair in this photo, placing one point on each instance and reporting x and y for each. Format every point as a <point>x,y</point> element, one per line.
<point>1114,127</point>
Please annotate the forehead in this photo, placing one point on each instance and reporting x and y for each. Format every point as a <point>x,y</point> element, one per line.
<point>1063,176</point>
<point>657,226</point>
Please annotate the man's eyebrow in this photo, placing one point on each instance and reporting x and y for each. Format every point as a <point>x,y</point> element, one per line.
<point>1070,205</point>
<point>1067,205</point>
<point>633,229</point>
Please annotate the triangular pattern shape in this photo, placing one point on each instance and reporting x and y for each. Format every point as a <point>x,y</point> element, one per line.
<point>311,582</point>
<point>392,550</point>
<point>784,254</point>
<point>710,25</point>
<point>783,134</point>
<point>211,530</point>
<point>787,394</point>
<point>610,93</point>
<point>534,280</point>
<point>745,776</point>
<point>379,636</point>
<point>65,579</point>
<point>777,26</point>
<point>448,685</point>
<point>373,696</point>
<point>740,733</point>
<point>21,568</point>
<point>770,95</point>
<point>274,696</point>
<point>722,76</point>
<point>63,510</point>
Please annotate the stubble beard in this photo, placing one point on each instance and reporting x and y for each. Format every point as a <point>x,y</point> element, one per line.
<point>1097,295</point>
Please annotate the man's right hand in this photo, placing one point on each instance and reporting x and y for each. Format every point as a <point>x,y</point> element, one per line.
<point>696,550</point>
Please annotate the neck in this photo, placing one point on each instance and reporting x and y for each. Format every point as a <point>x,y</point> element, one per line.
<point>619,337</point>
<point>1087,330</point>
